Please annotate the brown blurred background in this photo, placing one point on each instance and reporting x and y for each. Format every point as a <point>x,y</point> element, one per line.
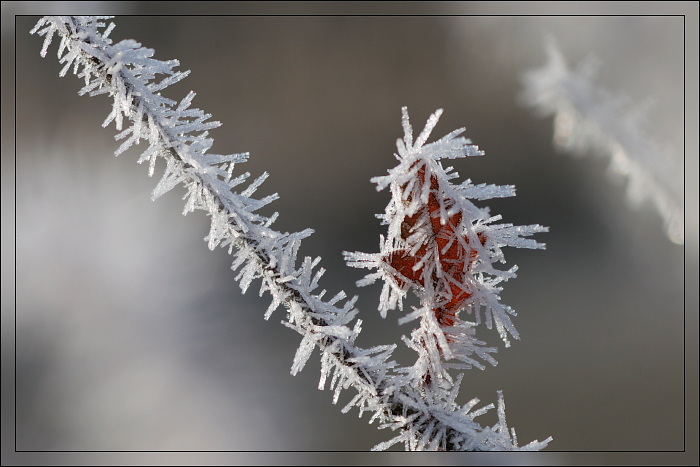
<point>132,336</point>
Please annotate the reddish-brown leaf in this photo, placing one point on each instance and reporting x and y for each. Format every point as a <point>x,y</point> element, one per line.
<point>453,257</point>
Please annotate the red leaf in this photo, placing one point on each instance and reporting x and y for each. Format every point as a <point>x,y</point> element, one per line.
<point>454,257</point>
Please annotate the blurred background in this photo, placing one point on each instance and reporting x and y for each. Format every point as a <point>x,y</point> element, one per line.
<point>127,334</point>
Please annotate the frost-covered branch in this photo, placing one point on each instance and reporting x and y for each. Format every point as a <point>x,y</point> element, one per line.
<point>443,248</point>
<point>590,119</point>
<point>178,134</point>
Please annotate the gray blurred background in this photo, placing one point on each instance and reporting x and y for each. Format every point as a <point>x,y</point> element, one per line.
<point>132,336</point>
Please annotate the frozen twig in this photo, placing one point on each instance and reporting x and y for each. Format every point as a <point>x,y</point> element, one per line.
<point>178,134</point>
<point>588,119</point>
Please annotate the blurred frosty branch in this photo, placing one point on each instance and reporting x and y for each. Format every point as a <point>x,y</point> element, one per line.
<point>426,415</point>
<point>590,119</point>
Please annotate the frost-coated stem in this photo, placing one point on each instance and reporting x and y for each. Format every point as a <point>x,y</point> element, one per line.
<point>444,249</point>
<point>179,135</point>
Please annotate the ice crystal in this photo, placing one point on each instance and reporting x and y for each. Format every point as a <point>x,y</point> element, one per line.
<point>439,243</point>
